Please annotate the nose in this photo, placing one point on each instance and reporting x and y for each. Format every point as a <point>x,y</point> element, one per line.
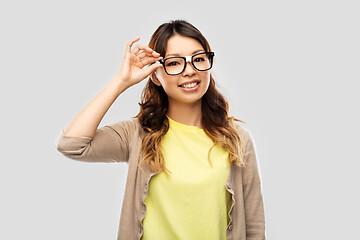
<point>189,69</point>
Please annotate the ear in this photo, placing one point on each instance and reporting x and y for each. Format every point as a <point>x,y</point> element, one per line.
<point>154,79</point>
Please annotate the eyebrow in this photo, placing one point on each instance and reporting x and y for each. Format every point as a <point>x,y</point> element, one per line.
<point>178,55</point>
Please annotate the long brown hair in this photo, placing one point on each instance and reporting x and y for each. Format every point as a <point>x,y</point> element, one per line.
<point>218,126</point>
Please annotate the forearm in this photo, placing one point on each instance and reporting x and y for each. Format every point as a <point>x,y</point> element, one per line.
<point>131,72</point>
<point>89,118</point>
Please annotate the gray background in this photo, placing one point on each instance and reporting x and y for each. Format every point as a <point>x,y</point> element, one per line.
<point>290,69</point>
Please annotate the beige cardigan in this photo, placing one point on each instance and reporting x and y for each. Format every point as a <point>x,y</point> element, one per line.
<point>121,142</point>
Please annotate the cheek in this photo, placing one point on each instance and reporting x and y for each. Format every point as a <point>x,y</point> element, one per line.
<point>167,81</point>
<point>205,76</point>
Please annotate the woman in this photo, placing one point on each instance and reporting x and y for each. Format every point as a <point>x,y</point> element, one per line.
<point>193,172</point>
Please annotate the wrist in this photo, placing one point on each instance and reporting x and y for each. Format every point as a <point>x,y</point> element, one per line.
<point>118,84</point>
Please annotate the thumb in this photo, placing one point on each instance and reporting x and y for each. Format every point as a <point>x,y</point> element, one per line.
<point>152,68</point>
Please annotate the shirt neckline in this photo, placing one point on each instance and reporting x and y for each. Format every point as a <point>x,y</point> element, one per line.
<point>182,126</point>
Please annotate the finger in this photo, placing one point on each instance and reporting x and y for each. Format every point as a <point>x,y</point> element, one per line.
<point>146,61</point>
<point>146,54</point>
<point>149,60</point>
<point>130,43</point>
<point>155,54</point>
<point>144,51</point>
<point>147,49</point>
<point>152,68</point>
<point>137,48</point>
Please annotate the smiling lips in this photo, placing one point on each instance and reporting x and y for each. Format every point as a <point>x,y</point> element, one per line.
<point>189,84</point>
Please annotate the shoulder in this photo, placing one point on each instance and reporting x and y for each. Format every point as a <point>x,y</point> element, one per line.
<point>246,136</point>
<point>244,132</point>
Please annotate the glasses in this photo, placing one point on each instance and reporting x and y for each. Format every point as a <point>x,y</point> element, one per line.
<point>176,65</point>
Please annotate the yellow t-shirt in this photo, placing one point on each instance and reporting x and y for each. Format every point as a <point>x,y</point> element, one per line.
<point>192,203</point>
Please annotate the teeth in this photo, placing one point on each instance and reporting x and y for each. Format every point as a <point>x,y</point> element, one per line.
<point>189,85</point>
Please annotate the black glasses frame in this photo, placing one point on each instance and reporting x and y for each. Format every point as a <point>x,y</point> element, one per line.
<point>189,59</point>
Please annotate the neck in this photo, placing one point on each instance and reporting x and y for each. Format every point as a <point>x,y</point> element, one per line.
<point>186,113</point>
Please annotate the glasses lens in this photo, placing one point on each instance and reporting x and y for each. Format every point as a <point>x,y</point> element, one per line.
<point>202,61</point>
<point>174,65</point>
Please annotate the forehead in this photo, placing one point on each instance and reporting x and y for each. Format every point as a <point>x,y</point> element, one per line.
<point>182,46</point>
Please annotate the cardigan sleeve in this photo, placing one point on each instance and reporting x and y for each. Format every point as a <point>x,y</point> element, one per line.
<point>252,190</point>
<point>109,144</point>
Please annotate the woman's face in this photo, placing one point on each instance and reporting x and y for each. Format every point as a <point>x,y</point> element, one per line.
<point>174,84</point>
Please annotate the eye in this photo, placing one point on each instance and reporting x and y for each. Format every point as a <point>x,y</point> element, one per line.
<point>199,59</point>
<point>172,63</point>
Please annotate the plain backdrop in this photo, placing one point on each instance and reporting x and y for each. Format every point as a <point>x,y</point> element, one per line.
<point>290,70</point>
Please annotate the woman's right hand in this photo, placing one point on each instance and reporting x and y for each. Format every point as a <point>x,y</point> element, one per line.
<point>132,70</point>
